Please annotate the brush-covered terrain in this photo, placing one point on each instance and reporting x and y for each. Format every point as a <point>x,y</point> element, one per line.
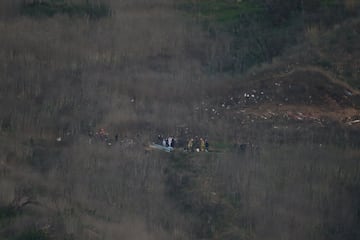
<point>272,85</point>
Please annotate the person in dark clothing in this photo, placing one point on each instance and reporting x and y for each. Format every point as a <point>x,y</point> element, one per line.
<point>206,145</point>
<point>160,139</point>
<point>242,147</point>
<point>172,144</point>
<point>116,137</point>
<point>166,142</point>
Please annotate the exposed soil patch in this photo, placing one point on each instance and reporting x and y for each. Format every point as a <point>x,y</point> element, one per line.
<point>301,95</point>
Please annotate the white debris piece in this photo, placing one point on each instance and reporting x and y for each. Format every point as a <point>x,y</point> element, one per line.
<point>348,93</point>
<point>353,122</point>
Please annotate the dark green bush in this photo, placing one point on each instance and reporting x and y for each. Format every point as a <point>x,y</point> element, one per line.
<point>263,29</point>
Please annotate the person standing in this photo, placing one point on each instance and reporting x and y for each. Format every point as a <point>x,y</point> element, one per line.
<point>190,145</point>
<point>172,144</point>
<point>202,145</point>
<point>164,142</point>
<point>170,141</point>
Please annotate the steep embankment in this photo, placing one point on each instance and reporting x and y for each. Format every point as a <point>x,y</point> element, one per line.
<point>313,82</point>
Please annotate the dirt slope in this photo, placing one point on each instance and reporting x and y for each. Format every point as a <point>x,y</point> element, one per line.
<point>304,93</point>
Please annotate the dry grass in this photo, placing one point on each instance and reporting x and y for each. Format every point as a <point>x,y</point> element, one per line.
<point>140,73</point>
<point>312,34</point>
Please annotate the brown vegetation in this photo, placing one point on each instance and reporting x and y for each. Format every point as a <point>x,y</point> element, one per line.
<point>149,69</point>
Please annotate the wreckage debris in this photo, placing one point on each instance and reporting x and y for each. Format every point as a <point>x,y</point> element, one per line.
<point>357,121</point>
<point>161,147</point>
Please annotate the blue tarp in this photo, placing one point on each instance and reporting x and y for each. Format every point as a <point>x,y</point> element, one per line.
<point>161,147</point>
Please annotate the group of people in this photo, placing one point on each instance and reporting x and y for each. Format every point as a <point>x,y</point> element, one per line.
<point>195,144</point>
<point>167,142</point>
<point>198,145</point>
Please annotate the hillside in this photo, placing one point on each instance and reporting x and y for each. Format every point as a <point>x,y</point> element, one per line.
<point>272,85</point>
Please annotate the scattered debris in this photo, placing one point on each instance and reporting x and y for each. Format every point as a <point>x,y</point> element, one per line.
<point>353,122</point>
<point>348,93</point>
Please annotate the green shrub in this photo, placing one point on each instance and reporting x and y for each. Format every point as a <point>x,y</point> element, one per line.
<point>262,30</point>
